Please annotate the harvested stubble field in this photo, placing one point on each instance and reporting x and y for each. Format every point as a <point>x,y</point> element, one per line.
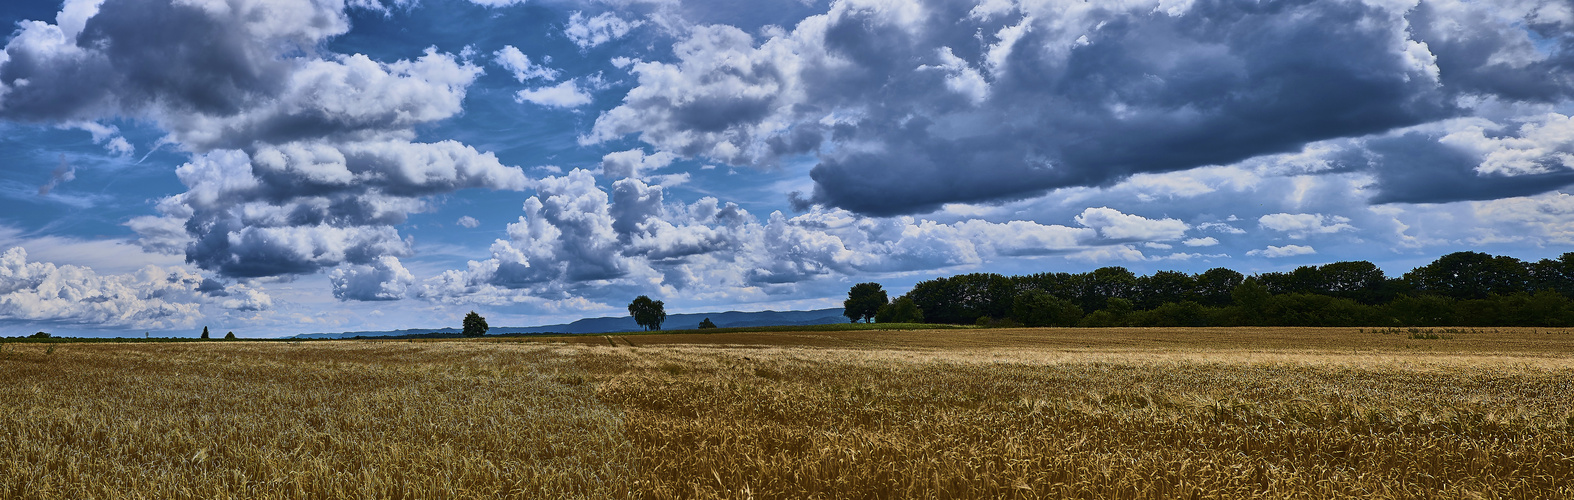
<point>1029,413</point>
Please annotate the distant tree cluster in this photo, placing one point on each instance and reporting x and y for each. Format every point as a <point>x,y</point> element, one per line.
<point>1458,289</point>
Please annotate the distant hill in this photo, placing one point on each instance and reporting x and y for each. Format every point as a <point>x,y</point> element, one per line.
<point>729,319</point>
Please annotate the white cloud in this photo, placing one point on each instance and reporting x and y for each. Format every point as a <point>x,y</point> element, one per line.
<point>1274,252</point>
<point>633,163</point>
<point>1538,220</point>
<point>587,32</point>
<point>563,95</point>
<point>510,58</point>
<point>468,222</point>
<point>1544,143</point>
<point>498,3</point>
<point>1111,224</point>
<point>1220,227</point>
<point>384,279</point>
<point>152,297</point>
<point>1206,241</point>
<point>1300,226</point>
<point>577,239</point>
<point>300,207</point>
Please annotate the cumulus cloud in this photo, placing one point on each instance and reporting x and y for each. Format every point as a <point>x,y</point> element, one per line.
<point>107,135</point>
<point>301,207</point>
<point>383,279</point>
<point>1220,227</point>
<point>468,222</point>
<point>1111,224</point>
<point>1538,220</point>
<point>1542,144</point>
<point>576,238</point>
<point>633,163</point>
<point>511,59</point>
<point>563,95</point>
<point>497,3</point>
<point>587,32</point>
<point>303,159</point>
<point>1300,226</point>
<point>1274,252</point>
<point>153,297</point>
<point>1206,241</point>
<point>911,104</point>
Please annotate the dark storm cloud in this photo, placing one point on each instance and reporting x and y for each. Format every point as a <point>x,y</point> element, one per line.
<point>1482,55</point>
<point>908,109</point>
<point>1415,168</point>
<point>139,56</point>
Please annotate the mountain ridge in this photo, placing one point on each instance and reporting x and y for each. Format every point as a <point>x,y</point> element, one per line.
<point>614,324</point>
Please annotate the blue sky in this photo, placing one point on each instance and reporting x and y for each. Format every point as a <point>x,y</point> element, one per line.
<point>274,167</point>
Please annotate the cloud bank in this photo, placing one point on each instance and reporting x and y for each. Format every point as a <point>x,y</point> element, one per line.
<point>907,105</point>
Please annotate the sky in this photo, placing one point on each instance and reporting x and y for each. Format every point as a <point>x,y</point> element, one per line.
<point>273,167</point>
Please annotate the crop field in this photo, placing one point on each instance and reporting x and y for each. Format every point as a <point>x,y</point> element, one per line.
<point>976,413</point>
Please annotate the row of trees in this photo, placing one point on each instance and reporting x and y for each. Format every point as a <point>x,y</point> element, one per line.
<point>1464,288</point>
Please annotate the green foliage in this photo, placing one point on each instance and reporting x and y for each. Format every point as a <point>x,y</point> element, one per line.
<point>229,336</point>
<point>1470,275</point>
<point>902,310</point>
<point>963,299</point>
<point>1038,308</point>
<point>864,300</point>
<point>648,313</point>
<point>475,325</point>
<point>707,324</point>
<point>204,332</point>
<point>40,335</point>
<point>1463,288</point>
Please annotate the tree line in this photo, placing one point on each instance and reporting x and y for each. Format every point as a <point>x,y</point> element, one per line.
<point>1458,289</point>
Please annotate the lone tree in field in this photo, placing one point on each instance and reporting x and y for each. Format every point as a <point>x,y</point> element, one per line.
<point>707,324</point>
<point>648,313</point>
<point>204,332</point>
<point>475,325</point>
<point>229,336</point>
<point>864,301</point>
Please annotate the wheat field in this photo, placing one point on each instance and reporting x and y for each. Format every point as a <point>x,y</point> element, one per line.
<point>1025,413</point>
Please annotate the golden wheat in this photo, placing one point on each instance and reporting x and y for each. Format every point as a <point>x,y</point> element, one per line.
<point>1050,413</point>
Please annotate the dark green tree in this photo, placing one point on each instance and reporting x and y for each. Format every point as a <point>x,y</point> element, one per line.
<point>1214,286</point>
<point>475,325</point>
<point>1038,308</point>
<point>1470,275</point>
<point>901,310</point>
<point>1164,287</point>
<point>229,336</point>
<point>1554,275</point>
<point>204,332</point>
<point>648,313</point>
<point>1251,301</point>
<point>864,300</point>
<point>1108,283</point>
<point>707,324</point>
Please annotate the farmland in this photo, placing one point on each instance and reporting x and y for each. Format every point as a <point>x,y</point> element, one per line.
<point>1023,413</point>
